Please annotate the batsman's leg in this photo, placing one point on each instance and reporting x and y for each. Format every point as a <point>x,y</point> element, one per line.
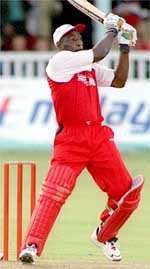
<point>112,176</point>
<point>57,186</point>
<point>125,207</point>
<point>113,219</point>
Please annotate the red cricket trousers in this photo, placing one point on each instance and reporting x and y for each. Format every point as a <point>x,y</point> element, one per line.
<point>93,147</point>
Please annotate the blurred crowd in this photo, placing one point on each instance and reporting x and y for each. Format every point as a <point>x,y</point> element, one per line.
<point>28,24</point>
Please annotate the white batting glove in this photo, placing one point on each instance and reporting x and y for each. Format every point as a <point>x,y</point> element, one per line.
<point>112,21</point>
<point>127,35</point>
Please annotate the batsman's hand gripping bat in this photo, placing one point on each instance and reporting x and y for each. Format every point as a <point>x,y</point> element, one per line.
<point>90,10</point>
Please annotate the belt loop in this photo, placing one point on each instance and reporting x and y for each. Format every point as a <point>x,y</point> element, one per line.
<point>83,123</point>
<point>89,123</point>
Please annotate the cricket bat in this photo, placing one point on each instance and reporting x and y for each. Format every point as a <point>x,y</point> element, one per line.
<point>90,10</point>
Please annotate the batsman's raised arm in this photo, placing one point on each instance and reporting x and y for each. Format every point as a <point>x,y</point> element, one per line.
<point>121,72</point>
<point>102,48</point>
<point>126,37</point>
<point>111,24</point>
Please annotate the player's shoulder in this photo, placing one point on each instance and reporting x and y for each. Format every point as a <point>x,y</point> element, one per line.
<point>61,55</point>
<point>57,61</point>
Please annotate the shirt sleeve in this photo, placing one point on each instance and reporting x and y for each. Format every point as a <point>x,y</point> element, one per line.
<point>104,75</point>
<point>65,64</point>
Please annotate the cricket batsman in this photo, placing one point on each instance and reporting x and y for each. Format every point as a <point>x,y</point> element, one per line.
<point>82,140</point>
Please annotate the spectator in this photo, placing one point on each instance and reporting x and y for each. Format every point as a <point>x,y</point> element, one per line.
<point>13,21</point>
<point>137,16</point>
<point>7,35</point>
<point>19,43</point>
<point>39,16</point>
<point>143,43</point>
<point>16,15</point>
<point>131,11</point>
<point>42,44</point>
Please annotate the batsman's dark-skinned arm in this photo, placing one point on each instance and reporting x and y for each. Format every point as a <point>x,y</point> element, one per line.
<point>102,48</point>
<point>121,72</point>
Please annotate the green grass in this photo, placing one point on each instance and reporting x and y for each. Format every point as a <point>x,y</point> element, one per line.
<point>69,239</point>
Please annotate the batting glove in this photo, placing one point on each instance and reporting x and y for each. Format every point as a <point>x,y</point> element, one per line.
<point>127,35</point>
<point>112,21</point>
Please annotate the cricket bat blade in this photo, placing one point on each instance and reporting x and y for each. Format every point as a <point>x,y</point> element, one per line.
<point>88,9</point>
